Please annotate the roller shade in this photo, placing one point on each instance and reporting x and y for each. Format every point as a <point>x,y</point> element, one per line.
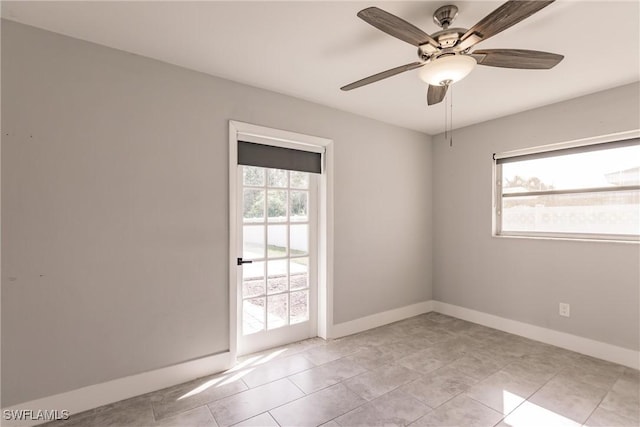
<point>565,151</point>
<point>269,156</point>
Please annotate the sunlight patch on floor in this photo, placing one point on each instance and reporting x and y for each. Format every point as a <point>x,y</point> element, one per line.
<point>201,388</point>
<point>235,373</point>
<point>244,364</point>
<point>510,401</point>
<point>235,377</point>
<point>531,415</point>
<point>270,356</point>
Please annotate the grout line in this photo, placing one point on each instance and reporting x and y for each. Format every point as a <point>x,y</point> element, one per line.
<point>273,418</point>
<point>248,418</point>
<point>296,385</point>
<point>153,411</point>
<point>304,395</point>
<point>304,370</point>
<point>604,396</point>
<point>483,404</point>
<point>534,392</point>
<point>211,412</point>
<point>476,383</point>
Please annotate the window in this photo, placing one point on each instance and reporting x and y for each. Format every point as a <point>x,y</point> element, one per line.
<point>589,191</point>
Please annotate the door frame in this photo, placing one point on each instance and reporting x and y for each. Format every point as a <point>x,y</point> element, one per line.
<point>282,138</point>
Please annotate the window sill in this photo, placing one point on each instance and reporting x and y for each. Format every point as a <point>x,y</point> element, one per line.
<point>565,238</point>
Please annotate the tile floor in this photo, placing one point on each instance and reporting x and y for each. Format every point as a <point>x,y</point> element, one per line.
<point>430,370</point>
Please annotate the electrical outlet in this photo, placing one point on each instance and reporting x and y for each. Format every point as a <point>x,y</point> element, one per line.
<point>565,309</point>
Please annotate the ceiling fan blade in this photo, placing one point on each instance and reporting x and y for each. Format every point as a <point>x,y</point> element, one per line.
<point>507,15</point>
<point>517,58</point>
<point>435,94</point>
<point>382,75</point>
<point>396,27</point>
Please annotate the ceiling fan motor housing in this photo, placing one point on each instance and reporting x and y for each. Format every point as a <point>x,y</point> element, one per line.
<point>444,16</point>
<point>447,39</point>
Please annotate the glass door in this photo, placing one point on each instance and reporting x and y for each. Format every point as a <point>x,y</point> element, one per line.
<point>277,300</point>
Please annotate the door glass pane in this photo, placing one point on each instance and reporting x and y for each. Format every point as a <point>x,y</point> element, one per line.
<point>277,178</point>
<point>253,241</point>
<point>277,238</point>
<point>253,315</point>
<point>277,205</point>
<point>252,175</point>
<point>253,279</point>
<point>277,276</point>
<point>299,239</point>
<point>299,273</point>
<point>299,179</point>
<point>253,205</point>
<point>299,206</point>
<point>275,214</point>
<point>299,306</point>
<point>278,311</point>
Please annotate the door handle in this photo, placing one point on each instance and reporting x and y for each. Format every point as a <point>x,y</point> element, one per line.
<point>241,261</point>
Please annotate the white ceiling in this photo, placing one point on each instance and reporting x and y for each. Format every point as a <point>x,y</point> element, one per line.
<point>309,49</point>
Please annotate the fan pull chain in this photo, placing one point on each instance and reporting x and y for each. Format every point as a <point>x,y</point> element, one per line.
<point>451,118</point>
<point>446,120</point>
<point>448,116</point>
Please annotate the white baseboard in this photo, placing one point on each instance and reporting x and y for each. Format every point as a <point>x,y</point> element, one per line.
<point>92,396</point>
<point>380,319</point>
<point>600,350</point>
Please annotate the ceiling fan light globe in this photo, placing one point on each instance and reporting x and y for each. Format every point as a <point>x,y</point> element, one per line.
<point>447,70</point>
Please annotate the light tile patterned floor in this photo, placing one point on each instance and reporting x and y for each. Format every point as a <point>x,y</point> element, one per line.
<point>430,370</point>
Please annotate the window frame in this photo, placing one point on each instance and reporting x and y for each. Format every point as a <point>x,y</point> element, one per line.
<point>533,151</point>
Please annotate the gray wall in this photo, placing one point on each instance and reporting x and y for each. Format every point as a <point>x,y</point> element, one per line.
<point>525,279</point>
<point>115,211</point>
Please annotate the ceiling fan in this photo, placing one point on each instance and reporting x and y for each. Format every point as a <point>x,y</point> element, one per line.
<point>444,55</point>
